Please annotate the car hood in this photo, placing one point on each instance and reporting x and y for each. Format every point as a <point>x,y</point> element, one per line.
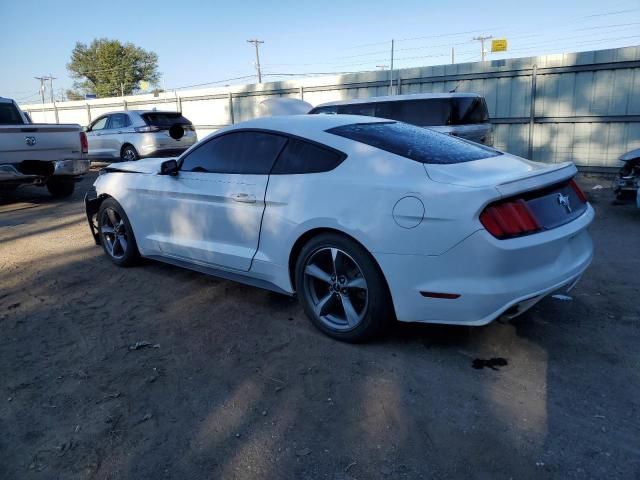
<point>147,165</point>
<point>633,154</point>
<point>496,171</point>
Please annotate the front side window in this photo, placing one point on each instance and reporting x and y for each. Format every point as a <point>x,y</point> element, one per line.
<point>419,144</point>
<point>304,157</point>
<point>99,124</point>
<point>249,153</point>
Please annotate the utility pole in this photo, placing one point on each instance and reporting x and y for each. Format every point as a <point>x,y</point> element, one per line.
<point>51,79</point>
<point>453,55</point>
<point>42,87</point>
<point>481,39</point>
<point>391,69</point>
<point>256,43</point>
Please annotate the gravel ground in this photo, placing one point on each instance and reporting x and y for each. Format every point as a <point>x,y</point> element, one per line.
<point>236,383</point>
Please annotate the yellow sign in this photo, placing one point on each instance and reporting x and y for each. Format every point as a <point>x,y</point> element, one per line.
<point>499,45</point>
<point>143,84</point>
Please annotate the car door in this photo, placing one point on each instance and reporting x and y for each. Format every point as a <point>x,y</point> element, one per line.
<point>211,212</point>
<point>115,132</point>
<point>95,133</point>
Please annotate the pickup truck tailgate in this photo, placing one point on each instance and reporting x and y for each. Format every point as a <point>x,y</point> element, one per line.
<point>39,142</point>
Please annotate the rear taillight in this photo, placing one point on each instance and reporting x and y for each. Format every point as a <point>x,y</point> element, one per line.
<point>84,144</point>
<point>147,129</point>
<point>578,190</point>
<point>509,219</point>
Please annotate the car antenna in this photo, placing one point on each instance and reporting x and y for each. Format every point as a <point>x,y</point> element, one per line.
<point>455,88</point>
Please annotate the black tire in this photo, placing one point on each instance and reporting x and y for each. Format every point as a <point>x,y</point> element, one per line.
<point>129,154</point>
<point>61,187</point>
<point>111,217</point>
<point>376,311</point>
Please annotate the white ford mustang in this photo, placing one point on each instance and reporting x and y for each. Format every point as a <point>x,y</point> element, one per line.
<point>364,219</point>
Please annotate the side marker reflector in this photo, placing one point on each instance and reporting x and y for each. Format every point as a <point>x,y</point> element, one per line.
<point>450,296</point>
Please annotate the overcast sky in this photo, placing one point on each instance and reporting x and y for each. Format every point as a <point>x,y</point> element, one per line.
<point>199,42</point>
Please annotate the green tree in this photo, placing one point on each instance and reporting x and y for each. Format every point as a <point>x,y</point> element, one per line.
<point>108,68</point>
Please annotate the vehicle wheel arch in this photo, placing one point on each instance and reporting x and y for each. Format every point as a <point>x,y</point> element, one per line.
<point>97,203</point>
<point>314,232</point>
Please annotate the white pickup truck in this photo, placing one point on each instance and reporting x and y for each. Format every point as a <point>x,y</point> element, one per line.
<point>49,155</point>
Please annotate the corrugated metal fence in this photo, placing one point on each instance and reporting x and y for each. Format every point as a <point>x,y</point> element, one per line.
<point>585,108</point>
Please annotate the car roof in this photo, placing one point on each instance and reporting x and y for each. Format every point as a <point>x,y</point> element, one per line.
<point>303,125</point>
<point>5,100</point>
<point>140,112</point>
<point>397,98</point>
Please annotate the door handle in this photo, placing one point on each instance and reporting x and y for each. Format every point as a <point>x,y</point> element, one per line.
<point>243,198</point>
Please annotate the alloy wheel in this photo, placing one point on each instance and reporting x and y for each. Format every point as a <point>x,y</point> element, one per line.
<point>114,233</point>
<point>129,155</point>
<point>336,288</point>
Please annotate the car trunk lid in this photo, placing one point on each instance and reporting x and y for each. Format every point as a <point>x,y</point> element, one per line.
<point>508,173</point>
<point>39,142</point>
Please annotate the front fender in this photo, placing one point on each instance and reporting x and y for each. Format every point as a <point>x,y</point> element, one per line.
<point>92,204</point>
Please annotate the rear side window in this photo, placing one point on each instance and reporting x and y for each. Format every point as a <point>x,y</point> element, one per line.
<point>239,152</point>
<point>436,112</point>
<point>366,109</point>
<point>119,120</point>
<point>9,115</point>
<point>304,157</point>
<point>419,144</point>
<point>164,119</point>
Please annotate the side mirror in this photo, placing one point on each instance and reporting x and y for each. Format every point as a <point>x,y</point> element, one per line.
<point>169,167</point>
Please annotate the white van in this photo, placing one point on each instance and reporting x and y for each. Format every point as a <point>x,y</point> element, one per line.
<point>461,114</point>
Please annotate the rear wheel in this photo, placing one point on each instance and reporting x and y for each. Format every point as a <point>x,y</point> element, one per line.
<point>61,187</point>
<point>129,154</point>
<point>116,235</point>
<point>342,289</point>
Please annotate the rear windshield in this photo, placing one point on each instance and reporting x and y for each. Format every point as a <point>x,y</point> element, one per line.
<point>164,119</point>
<point>9,115</point>
<point>428,112</point>
<point>419,144</point>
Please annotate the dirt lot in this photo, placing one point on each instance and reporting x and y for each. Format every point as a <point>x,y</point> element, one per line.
<point>237,383</point>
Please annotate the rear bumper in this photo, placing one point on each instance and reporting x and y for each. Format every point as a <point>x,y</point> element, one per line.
<point>154,151</point>
<point>35,171</point>
<point>490,276</point>
<point>71,167</point>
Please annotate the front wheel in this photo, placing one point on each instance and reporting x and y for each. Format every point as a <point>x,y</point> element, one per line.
<point>342,289</point>
<point>61,187</point>
<point>116,235</point>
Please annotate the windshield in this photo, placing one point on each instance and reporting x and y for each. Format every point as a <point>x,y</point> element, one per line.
<point>419,144</point>
<point>164,119</point>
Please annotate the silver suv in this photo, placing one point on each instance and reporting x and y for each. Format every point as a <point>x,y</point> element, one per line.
<point>138,134</point>
<point>460,114</point>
